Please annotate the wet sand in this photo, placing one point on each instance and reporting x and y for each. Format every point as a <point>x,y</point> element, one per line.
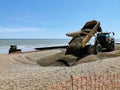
<point>37,70</point>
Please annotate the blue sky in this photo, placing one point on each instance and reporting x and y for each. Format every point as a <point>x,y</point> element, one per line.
<point>54,18</point>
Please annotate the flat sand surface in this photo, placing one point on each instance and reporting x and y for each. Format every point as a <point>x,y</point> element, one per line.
<point>37,70</point>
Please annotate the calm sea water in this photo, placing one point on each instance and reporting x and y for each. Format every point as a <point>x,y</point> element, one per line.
<point>30,44</point>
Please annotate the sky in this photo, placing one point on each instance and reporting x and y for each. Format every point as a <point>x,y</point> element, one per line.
<point>38,19</point>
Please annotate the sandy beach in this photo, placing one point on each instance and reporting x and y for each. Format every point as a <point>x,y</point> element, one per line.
<point>39,70</point>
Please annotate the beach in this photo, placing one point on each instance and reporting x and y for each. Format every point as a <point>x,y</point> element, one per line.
<point>39,70</point>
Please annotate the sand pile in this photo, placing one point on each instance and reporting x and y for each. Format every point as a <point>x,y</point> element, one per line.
<point>60,59</point>
<point>38,70</point>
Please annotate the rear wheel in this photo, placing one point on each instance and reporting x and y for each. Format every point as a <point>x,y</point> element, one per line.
<point>90,49</point>
<point>98,49</point>
<point>111,47</point>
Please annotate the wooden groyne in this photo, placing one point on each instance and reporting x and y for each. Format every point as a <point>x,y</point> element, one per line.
<point>117,43</point>
<point>52,47</point>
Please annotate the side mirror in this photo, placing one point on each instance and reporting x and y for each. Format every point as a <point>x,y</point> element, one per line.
<point>113,33</point>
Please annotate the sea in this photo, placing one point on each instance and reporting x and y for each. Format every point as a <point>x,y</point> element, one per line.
<point>30,44</point>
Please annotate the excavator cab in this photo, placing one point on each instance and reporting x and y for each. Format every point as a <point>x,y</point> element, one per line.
<point>106,41</point>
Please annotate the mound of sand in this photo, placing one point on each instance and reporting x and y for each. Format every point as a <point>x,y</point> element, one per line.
<point>51,59</point>
<point>60,59</point>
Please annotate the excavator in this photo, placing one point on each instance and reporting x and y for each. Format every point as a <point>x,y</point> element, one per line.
<point>79,42</point>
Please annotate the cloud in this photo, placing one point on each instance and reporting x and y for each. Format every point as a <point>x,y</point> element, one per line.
<point>24,18</point>
<point>21,29</point>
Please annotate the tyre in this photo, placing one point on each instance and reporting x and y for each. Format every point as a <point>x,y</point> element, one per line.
<point>98,49</point>
<point>111,47</point>
<point>90,49</point>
